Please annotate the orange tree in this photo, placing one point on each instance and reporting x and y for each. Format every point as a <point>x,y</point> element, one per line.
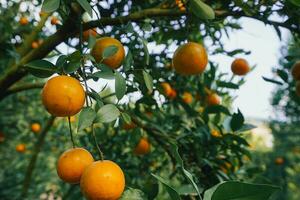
<point>168,119</point>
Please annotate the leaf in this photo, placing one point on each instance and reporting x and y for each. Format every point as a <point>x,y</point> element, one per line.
<point>186,173</point>
<point>227,85</point>
<point>237,121</point>
<point>247,127</point>
<point>148,81</point>
<point>128,62</point>
<point>41,68</point>
<point>50,5</point>
<point>133,194</point>
<point>171,191</point>
<point>107,113</point>
<point>240,191</point>
<point>146,51</point>
<point>71,67</point>
<point>272,81</point>
<point>295,2</point>
<point>104,74</point>
<point>109,51</point>
<point>201,10</point>
<point>120,85</point>
<point>216,109</point>
<point>86,118</point>
<point>86,6</point>
<point>126,118</point>
<point>283,75</point>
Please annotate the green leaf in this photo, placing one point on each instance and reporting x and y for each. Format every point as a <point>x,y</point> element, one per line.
<point>227,85</point>
<point>133,194</point>
<point>186,173</point>
<point>86,6</point>
<point>283,75</point>
<point>237,121</point>
<point>41,68</point>
<point>246,127</point>
<point>272,81</point>
<point>126,118</point>
<point>104,74</point>
<point>107,113</point>
<point>50,5</point>
<point>71,67</point>
<point>216,109</point>
<point>120,85</point>
<point>109,51</point>
<point>295,2</point>
<point>171,191</point>
<point>240,191</point>
<point>128,62</point>
<point>148,81</point>
<point>86,118</point>
<point>201,10</point>
<point>146,51</point>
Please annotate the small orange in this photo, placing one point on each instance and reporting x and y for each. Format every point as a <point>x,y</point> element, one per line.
<point>34,45</point>
<point>102,180</point>
<point>173,94</point>
<point>63,96</point>
<point>129,126</point>
<point>35,127</point>
<point>143,147</point>
<point>2,137</point>
<point>114,61</point>
<point>21,148</point>
<point>190,59</point>
<point>54,20</point>
<point>23,21</point>
<point>167,88</point>
<point>72,163</point>
<point>298,88</point>
<point>279,160</point>
<point>91,32</point>
<point>296,71</point>
<point>240,67</point>
<point>215,133</point>
<point>213,99</point>
<point>187,97</point>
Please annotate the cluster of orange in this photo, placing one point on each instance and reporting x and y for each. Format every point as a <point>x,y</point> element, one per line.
<point>296,75</point>
<point>180,5</point>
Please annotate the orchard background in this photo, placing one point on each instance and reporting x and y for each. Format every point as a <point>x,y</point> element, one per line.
<point>165,117</point>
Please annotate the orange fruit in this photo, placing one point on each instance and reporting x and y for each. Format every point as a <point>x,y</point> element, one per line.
<point>240,67</point>
<point>35,127</point>
<point>143,147</point>
<point>54,20</point>
<point>213,99</point>
<point>91,32</point>
<point>34,45</point>
<point>63,96</point>
<point>187,97</point>
<point>21,148</point>
<point>279,161</point>
<point>129,126</point>
<point>190,59</point>
<point>72,163</point>
<point>2,137</point>
<point>215,133</point>
<point>102,180</point>
<point>296,71</point>
<point>23,21</point>
<point>298,88</point>
<point>114,61</point>
<point>167,88</point>
<point>173,94</point>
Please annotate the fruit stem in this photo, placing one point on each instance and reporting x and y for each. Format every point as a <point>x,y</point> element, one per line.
<point>97,145</point>
<point>71,132</point>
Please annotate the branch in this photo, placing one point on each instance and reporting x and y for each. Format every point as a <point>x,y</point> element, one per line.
<point>36,151</point>
<point>23,87</point>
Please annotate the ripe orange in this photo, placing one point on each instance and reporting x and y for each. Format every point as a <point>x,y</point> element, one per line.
<point>190,59</point>
<point>91,32</point>
<point>129,126</point>
<point>35,127</point>
<point>21,148</point>
<point>240,67</point>
<point>102,180</point>
<point>298,88</point>
<point>143,147</point>
<point>114,61</point>
<point>54,20</point>
<point>167,88</point>
<point>215,133</point>
<point>296,71</point>
<point>23,21</point>
<point>279,161</point>
<point>72,163</point>
<point>187,97</point>
<point>63,96</point>
<point>2,137</point>
<point>34,45</point>
<point>213,99</point>
<point>173,94</point>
